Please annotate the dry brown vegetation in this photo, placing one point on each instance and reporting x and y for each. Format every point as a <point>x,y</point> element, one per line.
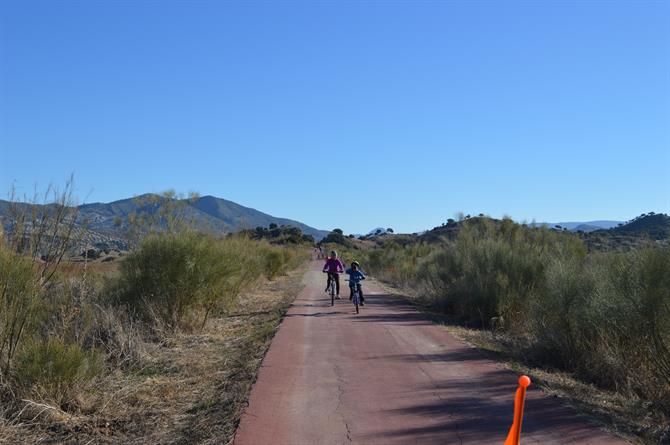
<point>159,346</point>
<point>189,388</point>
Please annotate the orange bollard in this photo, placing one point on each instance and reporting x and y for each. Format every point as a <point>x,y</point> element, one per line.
<point>514,436</point>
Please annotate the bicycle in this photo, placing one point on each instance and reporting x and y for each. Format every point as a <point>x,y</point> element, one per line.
<point>331,289</point>
<point>356,297</point>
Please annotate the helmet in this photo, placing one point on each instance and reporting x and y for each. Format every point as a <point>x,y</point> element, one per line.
<point>333,253</point>
<point>355,263</point>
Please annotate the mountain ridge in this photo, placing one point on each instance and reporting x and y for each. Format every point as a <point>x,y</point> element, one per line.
<point>208,213</point>
<point>584,226</point>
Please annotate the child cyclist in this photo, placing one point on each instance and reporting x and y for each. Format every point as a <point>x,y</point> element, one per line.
<point>355,278</point>
<point>333,267</point>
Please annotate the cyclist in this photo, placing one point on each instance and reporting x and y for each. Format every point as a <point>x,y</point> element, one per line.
<point>355,278</point>
<point>333,267</point>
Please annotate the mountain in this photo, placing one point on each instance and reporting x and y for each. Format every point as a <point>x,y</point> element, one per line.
<point>655,226</point>
<point>644,230</point>
<point>586,226</point>
<point>237,217</point>
<point>208,213</point>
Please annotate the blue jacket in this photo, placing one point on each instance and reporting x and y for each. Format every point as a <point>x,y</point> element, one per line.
<point>355,277</point>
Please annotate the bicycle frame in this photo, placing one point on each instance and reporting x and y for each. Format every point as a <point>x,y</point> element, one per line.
<point>331,288</point>
<point>356,298</point>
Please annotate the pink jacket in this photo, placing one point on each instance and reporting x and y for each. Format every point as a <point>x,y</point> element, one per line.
<point>333,265</point>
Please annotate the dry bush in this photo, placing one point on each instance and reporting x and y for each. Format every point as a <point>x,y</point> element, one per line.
<point>62,329</point>
<point>43,229</point>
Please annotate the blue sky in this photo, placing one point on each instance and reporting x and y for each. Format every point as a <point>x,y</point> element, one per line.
<point>345,114</point>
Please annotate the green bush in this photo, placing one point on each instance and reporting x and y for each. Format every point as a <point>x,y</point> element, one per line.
<point>634,316</point>
<point>488,272</point>
<point>559,318</point>
<point>395,262</point>
<point>20,299</point>
<point>273,263</point>
<point>56,371</point>
<point>172,275</point>
<point>44,335</point>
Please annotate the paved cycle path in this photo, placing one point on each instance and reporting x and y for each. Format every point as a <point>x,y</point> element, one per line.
<point>389,376</point>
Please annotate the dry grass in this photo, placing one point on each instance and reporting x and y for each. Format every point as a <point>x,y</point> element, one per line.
<point>192,388</point>
<point>75,268</point>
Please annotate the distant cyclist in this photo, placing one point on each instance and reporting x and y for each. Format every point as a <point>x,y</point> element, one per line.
<point>355,278</point>
<point>333,267</point>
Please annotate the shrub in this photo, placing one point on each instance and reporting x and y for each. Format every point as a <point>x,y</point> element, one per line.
<point>171,275</point>
<point>56,371</point>
<point>634,317</point>
<point>273,263</point>
<point>559,318</point>
<point>115,331</point>
<point>604,316</point>
<point>19,304</point>
<point>494,270</point>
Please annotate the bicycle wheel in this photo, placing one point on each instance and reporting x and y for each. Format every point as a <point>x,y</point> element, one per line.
<point>332,292</point>
<point>356,298</point>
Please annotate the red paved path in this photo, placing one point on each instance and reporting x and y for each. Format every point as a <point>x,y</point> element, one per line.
<point>389,376</point>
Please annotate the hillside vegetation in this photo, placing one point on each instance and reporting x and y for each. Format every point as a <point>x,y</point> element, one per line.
<point>279,234</point>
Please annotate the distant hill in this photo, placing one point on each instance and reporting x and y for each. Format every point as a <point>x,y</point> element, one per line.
<point>655,226</point>
<point>586,226</point>
<point>110,221</point>
<point>237,217</point>
<point>643,230</point>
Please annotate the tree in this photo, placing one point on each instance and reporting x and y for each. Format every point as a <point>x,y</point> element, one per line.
<point>272,226</point>
<point>336,236</point>
<point>389,230</point>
